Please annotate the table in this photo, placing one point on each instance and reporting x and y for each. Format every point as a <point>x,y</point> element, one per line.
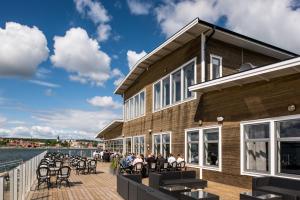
<point>199,195</point>
<point>256,195</point>
<point>174,190</point>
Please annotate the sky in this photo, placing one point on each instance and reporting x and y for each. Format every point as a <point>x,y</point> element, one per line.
<point>60,60</point>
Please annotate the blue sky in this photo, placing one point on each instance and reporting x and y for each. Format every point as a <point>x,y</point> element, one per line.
<point>60,61</point>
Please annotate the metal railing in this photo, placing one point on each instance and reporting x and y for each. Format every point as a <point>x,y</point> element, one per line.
<point>16,183</point>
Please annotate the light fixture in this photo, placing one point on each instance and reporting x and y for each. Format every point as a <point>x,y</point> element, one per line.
<point>150,131</point>
<point>291,108</point>
<point>200,122</point>
<point>220,119</point>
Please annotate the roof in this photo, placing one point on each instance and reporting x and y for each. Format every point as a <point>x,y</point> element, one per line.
<point>112,125</point>
<point>267,72</point>
<point>191,31</point>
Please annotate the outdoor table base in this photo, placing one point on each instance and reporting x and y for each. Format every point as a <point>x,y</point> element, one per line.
<point>259,195</point>
<point>198,195</point>
<point>174,190</point>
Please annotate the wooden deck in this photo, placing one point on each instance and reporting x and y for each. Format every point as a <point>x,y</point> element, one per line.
<point>102,186</point>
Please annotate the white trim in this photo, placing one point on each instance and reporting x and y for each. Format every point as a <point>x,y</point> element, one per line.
<point>160,134</point>
<point>201,151</point>
<point>125,144</point>
<point>193,97</point>
<point>248,74</point>
<point>203,38</point>
<point>212,56</point>
<point>129,110</point>
<point>133,146</point>
<point>273,158</point>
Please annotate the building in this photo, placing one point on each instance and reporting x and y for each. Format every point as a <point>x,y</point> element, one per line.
<point>227,102</point>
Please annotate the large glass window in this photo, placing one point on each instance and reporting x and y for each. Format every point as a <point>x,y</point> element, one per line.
<point>211,147</point>
<point>161,144</point>
<point>135,106</point>
<point>157,96</point>
<point>189,79</point>
<point>215,67</point>
<point>192,147</point>
<point>173,88</point>
<point>257,141</point>
<point>128,145</point>
<point>166,91</point>
<point>288,146</point>
<point>139,144</point>
<point>176,86</point>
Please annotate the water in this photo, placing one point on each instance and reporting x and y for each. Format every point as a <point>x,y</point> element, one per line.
<point>22,155</point>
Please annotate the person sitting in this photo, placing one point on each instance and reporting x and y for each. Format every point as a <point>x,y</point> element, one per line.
<point>151,159</point>
<point>137,160</point>
<point>171,159</point>
<point>129,159</point>
<point>160,162</point>
<point>179,158</point>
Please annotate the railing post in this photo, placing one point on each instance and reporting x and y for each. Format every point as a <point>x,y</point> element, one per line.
<point>1,188</point>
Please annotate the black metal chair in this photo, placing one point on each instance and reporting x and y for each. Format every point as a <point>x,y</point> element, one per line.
<point>173,166</point>
<point>181,166</point>
<point>58,163</point>
<point>81,167</point>
<point>63,175</point>
<point>138,167</point>
<point>152,167</point>
<point>164,167</point>
<point>92,166</point>
<point>43,176</point>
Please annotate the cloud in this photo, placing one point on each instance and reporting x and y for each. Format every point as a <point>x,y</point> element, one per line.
<point>133,57</point>
<point>95,11</point>
<point>104,102</point>
<point>80,55</point>
<point>245,17</point>
<point>138,7</point>
<point>22,49</point>
<point>44,83</point>
<point>118,75</point>
<point>49,92</point>
<point>103,32</point>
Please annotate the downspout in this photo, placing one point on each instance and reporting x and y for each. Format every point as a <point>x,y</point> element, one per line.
<point>204,52</point>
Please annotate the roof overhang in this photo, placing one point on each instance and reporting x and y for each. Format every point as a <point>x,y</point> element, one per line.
<point>109,127</point>
<point>284,68</point>
<point>191,31</point>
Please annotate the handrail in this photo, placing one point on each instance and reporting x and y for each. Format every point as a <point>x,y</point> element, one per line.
<point>20,179</point>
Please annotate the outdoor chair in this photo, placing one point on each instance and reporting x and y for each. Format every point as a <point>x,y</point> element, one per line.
<point>81,166</point>
<point>92,166</point>
<point>152,167</point>
<point>173,166</point>
<point>58,163</point>
<point>43,176</point>
<point>181,166</point>
<point>63,175</point>
<point>165,167</point>
<point>138,167</point>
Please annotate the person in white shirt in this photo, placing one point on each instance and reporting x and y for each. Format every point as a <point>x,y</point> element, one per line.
<point>137,160</point>
<point>171,159</point>
<point>179,158</point>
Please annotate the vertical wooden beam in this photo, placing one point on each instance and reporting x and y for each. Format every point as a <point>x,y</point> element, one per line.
<point>1,188</point>
<point>202,57</point>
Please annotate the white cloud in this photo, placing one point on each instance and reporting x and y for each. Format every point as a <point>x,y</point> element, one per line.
<point>44,83</point>
<point>133,57</point>
<point>92,9</point>
<point>246,17</point>
<point>139,7</point>
<point>78,54</point>
<point>22,49</point>
<point>104,102</point>
<point>118,75</point>
<point>103,32</point>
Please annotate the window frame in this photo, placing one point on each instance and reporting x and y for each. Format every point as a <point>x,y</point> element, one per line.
<point>160,134</point>
<point>182,99</point>
<point>212,56</point>
<point>125,145</point>
<point>273,147</point>
<point>201,148</point>
<point>133,142</point>
<point>127,110</point>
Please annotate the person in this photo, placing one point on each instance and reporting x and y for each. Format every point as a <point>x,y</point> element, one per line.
<point>137,160</point>
<point>179,158</point>
<point>150,159</point>
<point>160,161</point>
<point>101,155</point>
<point>171,159</point>
<point>129,159</point>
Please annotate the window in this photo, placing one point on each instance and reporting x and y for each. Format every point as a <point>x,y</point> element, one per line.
<point>173,88</point>
<point>192,147</point>
<point>271,146</point>
<point>139,142</point>
<point>166,91</point>
<point>211,147</point>
<point>128,142</point>
<point>288,145</point>
<point>115,145</point>
<point>189,79</point>
<point>176,86</point>
<point>135,106</point>
<point>203,147</point>
<point>157,96</point>
<point>257,139</point>
<point>215,67</point>
<point>162,144</point>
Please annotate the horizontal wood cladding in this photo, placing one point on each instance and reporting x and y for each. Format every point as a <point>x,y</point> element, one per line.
<point>114,133</point>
